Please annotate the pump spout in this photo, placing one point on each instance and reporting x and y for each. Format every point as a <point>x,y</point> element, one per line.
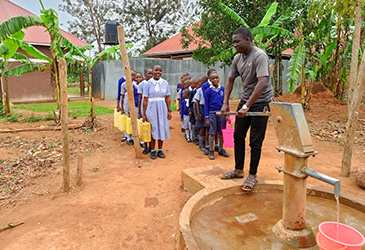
<point>322,177</point>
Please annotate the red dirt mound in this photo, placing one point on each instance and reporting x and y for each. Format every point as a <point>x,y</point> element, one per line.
<point>320,95</point>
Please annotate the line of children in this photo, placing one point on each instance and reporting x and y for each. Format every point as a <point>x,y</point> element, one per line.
<point>199,112</point>
<point>200,99</point>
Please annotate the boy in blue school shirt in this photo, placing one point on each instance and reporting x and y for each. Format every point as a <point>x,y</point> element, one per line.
<point>214,96</point>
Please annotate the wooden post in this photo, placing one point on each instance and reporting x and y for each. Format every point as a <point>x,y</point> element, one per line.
<point>132,108</point>
<point>80,164</point>
<point>64,125</point>
<point>351,122</point>
<point>82,86</point>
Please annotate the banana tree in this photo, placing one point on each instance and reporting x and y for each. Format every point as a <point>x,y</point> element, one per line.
<point>262,34</point>
<point>8,51</point>
<point>107,54</point>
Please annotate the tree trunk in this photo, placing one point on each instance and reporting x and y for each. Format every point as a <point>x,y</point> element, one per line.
<point>351,122</point>
<point>58,98</point>
<point>275,76</point>
<point>281,69</point>
<point>82,86</point>
<point>303,89</point>
<point>91,101</point>
<point>1,97</point>
<point>354,56</point>
<point>6,91</point>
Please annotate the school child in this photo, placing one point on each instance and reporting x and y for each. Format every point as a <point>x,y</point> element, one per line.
<point>214,96</point>
<point>200,113</point>
<point>179,88</point>
<point>194,83</point>
<point>185,119</point>
<point>125,109</point>
<point>120,105</point>
<point>180,84</point>
<point>186,81</point>
<point>157,110</point>
<point>205,86</point>
<point>148,75</point>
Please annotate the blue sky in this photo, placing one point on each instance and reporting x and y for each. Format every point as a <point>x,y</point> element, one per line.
<point>34,6</point>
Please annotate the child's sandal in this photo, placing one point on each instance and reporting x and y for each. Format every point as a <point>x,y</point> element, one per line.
<point>249,183</point>
<point>232,175</point>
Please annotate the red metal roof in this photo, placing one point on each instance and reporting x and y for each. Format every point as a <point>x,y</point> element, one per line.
<point>36,34</point>
<point>173,45</point>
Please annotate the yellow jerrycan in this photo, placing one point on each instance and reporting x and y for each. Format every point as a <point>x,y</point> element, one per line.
<point>115,118</point>
<point>122,122</point>
<point>129,129</point>
<point>146,132</point>
<point>140,128</point>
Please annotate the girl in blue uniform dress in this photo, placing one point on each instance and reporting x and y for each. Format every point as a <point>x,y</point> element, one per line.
<point>157,110</point>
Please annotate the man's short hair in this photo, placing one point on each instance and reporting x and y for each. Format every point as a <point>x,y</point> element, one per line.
<point>246,33</point>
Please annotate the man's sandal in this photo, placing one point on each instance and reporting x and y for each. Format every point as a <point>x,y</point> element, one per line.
<point>232,175</point>
<point>249,183</point>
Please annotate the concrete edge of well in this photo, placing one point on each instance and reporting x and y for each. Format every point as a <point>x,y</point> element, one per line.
<point>210,194</point>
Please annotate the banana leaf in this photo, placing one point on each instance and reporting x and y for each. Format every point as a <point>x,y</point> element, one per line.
<point>32,51</point>
<point>269,13</point>
<point>11,45</point>
<point>228,53</point>
<point>280,20</point>
<point>26,68</point>
<point>233,14</point>
<point>329,50</point>
<point>295,67</point>
<point>4,50</point>
<point>16,23</point>
<point>261,32</point>
<point>267,31</point>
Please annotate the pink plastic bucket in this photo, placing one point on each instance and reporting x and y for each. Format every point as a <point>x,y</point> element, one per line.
<point>335,236</point>
<point>232,123</point>
<point>228,137</point>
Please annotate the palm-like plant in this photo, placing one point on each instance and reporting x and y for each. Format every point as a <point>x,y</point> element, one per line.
<point>109,54</point>
<point>8,50</point>
<point>262,34</point>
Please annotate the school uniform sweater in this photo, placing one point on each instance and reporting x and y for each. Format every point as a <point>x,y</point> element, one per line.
<point>122,90</point>
<point>213,99</point>
<point>185,108</point>
<point>191,99</point>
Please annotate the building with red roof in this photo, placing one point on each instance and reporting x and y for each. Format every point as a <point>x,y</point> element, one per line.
<point>35,85</point>
<point>172,48</point>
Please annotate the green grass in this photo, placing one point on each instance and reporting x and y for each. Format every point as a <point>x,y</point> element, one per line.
<point>12,118</point>
<point>74,108</point>
<point>31,118</point>
<point>73,91</point>
<point>173,106</point>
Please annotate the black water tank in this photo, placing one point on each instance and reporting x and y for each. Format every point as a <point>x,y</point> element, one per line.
<point>111,32</point>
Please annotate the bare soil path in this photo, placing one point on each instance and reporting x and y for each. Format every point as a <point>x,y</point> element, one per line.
<point>125,203</point>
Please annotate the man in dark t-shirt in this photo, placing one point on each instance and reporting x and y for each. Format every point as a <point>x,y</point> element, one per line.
<point>252,65</point>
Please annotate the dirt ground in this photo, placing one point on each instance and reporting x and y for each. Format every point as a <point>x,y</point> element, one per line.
<point>128,203</point>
